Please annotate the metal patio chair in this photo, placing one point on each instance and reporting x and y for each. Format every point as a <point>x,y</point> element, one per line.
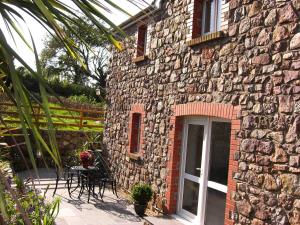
<point>65,174</point>
<point>106,176</point>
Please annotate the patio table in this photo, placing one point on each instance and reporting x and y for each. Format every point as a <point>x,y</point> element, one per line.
<point>82,170</point>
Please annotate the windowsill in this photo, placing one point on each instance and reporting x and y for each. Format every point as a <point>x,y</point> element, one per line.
<point>206,38</point>
<point>139,58</point>
<point>134,156</point>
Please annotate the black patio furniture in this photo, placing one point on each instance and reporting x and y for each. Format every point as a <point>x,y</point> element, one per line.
<point>106,176</point>
<point>90,181</point>
<point>86,178</point>
<point>96,176</point>
<point>64,174</point>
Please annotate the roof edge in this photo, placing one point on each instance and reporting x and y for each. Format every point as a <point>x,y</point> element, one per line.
<point>157,3</point>
<point>154,6</point>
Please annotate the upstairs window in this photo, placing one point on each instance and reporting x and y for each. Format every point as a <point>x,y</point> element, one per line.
<point>142,40</point>
<point>135,133</point>
<point>207,17</point>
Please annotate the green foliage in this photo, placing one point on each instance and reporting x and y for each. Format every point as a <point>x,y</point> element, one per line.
<point>53,15</point>
<point>19,184</point>
<point>83,99</point>
<point>58,63</point>
<point>141,193</point>
<point>71,158</point>
<point>39,212</point>
<point>61,88</point>
<point>66,89</point>
<point>66,121</point>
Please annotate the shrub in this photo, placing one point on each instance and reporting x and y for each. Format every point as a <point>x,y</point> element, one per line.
<point>141,193</point>
<point>61,88</point>
<point>82,99</point>
<point>33,203</point>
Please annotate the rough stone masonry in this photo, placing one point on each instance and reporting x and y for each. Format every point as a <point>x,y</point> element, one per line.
<point>256,66</point>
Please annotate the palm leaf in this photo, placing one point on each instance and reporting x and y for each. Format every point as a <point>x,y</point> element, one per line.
<point>52,15</point>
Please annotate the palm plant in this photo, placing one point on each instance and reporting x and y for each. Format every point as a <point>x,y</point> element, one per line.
<point>52,15</point>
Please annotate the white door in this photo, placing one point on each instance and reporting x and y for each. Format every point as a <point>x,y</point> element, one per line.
<point>204,171</point>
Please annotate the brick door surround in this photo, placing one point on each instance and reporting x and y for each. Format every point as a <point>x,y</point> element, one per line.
<point>223,111</point>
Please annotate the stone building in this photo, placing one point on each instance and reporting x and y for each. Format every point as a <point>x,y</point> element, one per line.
<point>203,104</point>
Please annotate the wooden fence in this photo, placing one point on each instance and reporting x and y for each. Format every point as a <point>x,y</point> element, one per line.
<point>80,121</point>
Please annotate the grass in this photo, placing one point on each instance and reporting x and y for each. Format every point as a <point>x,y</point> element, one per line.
<point>56,112</point>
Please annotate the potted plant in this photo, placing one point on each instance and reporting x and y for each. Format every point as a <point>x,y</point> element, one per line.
<point>141,195</point>
<point>86,158</point>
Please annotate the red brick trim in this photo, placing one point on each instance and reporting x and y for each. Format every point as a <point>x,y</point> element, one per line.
<point>136,108</point>
<point>223,111</point>
<point>197,19</point>
<point>206,38</point>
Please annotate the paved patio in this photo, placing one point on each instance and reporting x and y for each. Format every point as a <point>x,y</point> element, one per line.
<point>112,211</point>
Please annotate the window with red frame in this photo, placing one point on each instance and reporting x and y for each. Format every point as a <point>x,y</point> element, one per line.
<point>207,17</point>
<point>142,40</point>
<point>135,132</point>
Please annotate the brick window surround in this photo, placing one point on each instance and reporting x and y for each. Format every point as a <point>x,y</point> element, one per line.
<point>224,111</point>
<point>194,23</point>
<point>136,138</point>
<point>197,19</point>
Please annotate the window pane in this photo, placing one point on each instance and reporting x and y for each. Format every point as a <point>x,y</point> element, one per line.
<point>190,196</point>
<point>135,133</point>
<point>219,152</point>
<point>209,17</point>
<point>194,149</point>
<point>215,207</point>
<point>142,39</point>
<point>219,14</point>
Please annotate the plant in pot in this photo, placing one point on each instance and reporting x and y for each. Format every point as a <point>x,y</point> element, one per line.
<point>86,158</point>
<point>141,195</point>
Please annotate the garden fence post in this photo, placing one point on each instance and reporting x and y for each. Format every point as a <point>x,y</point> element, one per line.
<point>81,117</point>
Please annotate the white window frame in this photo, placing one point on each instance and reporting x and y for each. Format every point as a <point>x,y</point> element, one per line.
<point>215,18</point>
<point>222,20</point>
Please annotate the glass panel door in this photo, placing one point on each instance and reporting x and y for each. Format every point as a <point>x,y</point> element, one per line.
<point>193,148</point>
<point>204,171</point>
<point>217,173</point>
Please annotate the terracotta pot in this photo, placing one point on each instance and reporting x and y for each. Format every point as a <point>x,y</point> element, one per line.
<point>86,158</point>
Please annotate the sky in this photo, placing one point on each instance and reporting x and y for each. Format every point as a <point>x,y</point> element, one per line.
<point>39,33</point>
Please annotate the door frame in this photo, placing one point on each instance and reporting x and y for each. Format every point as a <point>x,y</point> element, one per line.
<point>203,179</point>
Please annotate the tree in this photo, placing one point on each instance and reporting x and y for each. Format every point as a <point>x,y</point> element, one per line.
<point>58,63</point>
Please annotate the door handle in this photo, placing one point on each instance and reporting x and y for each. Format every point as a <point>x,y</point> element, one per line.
<point>199,169</point>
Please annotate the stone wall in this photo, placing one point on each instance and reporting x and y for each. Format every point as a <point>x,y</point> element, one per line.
<point>256,66</point>
<point>68,142</point>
